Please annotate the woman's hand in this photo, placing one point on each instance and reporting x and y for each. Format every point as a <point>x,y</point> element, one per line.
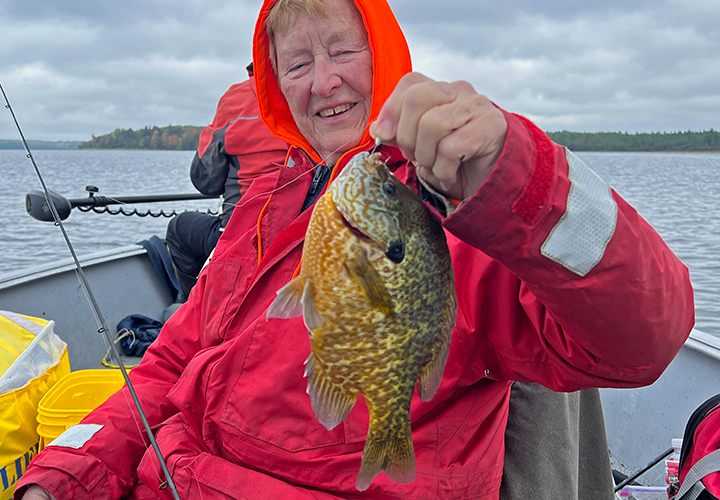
<point>36,492</point>
<point>452,134</point>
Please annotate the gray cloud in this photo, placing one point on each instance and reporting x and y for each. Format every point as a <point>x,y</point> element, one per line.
<point>646,68</point>
<point>77,68</point>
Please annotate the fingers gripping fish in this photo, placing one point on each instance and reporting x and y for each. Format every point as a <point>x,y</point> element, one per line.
<point>376,291</point>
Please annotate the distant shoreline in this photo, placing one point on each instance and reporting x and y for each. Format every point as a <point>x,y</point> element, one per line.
<point>705,141</point>
<point>175,138</point>
<point>17,144</point>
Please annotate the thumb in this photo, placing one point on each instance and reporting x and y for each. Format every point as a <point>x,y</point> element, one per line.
<point>385,126</point>
<point>382,129</point>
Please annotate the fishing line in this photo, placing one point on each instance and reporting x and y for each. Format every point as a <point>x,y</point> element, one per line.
<point>94,305</point>
<point>378,142</point>
<point>242,203</point>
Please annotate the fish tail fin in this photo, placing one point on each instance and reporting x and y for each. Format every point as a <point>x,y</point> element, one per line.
<point>395,456</point>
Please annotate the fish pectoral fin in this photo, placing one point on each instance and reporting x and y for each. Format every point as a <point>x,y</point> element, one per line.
<point>329,402</point>
<point>370,281</point>
<point>312,317</point>
<point>293,301</point>
<point>394,455</point>
<point>431,372</point>
<point>288,302</point>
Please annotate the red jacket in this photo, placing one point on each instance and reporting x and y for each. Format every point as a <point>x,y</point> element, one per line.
<point>235,148</point>
<point>559,281</point>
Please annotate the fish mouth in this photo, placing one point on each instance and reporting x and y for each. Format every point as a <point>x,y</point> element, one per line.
<point>337,110</point>
<point>395,252</point>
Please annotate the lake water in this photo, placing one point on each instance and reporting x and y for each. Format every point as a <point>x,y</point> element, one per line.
<point>27,242</point>
<point>676,193</point>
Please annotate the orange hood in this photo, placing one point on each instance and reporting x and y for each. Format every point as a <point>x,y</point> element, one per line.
<point>391,60</point>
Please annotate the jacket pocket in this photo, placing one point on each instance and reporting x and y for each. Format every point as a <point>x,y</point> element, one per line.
<point>268,400</point>
<point>224,287</point>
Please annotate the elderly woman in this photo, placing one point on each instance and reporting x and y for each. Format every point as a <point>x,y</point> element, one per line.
<point>559,282</point>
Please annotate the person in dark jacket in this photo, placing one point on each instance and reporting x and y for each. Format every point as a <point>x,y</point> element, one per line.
<point>234,149</point>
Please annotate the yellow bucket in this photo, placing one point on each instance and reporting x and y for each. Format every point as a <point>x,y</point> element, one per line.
<point>72,398</point>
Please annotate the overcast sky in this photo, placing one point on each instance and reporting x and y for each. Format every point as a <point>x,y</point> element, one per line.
<point>73,68</point>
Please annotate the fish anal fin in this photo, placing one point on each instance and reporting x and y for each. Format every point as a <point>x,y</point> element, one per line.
<point>329,402</point>
<point>288,302</point>
<point>313,319</point>
<point>370,281</point>
<point>393,456</point>
<point>431,372</point>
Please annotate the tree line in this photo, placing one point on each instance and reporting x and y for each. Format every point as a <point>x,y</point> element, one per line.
<point>186,138</point>
<point>707,140</point>
<point>183,137</point>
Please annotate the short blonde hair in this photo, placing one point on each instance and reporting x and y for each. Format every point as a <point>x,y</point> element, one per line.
<point>283,13</point>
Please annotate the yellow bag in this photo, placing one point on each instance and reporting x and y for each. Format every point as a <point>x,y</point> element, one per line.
<point>32,359</point>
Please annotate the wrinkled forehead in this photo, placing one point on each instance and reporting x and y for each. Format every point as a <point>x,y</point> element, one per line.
<point>284,13</point>
<point>343,16</point>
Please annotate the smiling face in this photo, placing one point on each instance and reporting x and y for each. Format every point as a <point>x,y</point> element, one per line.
<point>324,69</point>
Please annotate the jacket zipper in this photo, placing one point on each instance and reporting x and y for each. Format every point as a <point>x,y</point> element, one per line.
<point>318,182</point>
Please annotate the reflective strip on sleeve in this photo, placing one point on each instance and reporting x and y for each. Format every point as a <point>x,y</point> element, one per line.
<point>244,118</point>
<point>76,436</point>
<point>579,239</point>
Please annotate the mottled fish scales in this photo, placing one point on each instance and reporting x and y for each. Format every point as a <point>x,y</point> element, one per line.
<point>376,291</point>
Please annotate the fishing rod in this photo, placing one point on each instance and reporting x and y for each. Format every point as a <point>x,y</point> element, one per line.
<point>95,307</point>
<point>37,206</point>
<point>642,471</point>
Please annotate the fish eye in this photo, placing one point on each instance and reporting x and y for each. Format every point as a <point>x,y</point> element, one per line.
<point>389,188</point>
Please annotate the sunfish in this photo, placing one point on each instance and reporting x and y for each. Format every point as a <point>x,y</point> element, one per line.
<point>376,290</point>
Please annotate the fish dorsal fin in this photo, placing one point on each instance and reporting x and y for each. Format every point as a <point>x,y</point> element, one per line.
<point>292,301</point>
<point>431,372</point>
<point>370,281</point>
<point>329,402</point>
